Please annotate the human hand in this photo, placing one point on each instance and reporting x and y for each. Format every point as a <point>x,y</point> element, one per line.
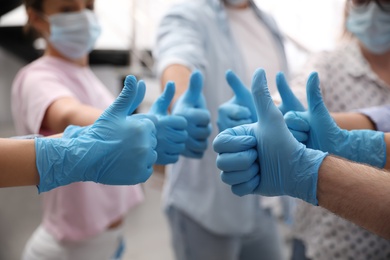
<point>114,150</point>
<point>192,106</point>
<point>171,129</point>
<point>240,109</point>
<point>264,158</point>
<point>289,101</point>
<point>322,133</point>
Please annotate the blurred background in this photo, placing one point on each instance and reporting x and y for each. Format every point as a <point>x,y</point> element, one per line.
<point>125,47</point>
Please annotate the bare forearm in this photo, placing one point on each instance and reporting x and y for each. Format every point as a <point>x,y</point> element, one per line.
<point>352,121</point>
<point>178,74</point>
<point>356,192</point>
<point>17,163</point>
<point>68,111</point>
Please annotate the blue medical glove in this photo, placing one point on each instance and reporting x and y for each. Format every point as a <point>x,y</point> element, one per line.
<point>73,131</point>
<point>363,146</point>
<point>264,158</point>
<point>192,106</point>
<point>240,109</point>
<point>114,150</point>
<point>171,129</point>
<point>289,101</point>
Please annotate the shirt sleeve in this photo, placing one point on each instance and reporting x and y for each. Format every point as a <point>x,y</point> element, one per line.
<point>39,90</point>
<point>380,116</point>
<point>180,39</point>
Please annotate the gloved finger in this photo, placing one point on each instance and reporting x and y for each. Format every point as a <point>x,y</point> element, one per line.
<point>246,188</point>
<point>139,97</point>
<point>122,105</point>
<point>314,96</point>
<point>289,100</point>
<point>175,137</point>
<point>265,106</point>
<point>295,121</point>
<point>164,159</point>
<point>191,154</point>
<point>143,116</point>
<point>239,161</point>
<point>148,171</point>
<point>173,122</point>
<point>237,177</point>
<point>197,116</point>
<point>227,142</point>
<point>301,137</point>
<point>196,145</point>
<point>234,111</point>
<point>239,89</point>
<point>198,133</point>
<point>228,123</point>
<point>161,105</point>
<point>195,87</point>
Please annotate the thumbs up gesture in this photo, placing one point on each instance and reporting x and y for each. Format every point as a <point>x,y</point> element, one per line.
<point>240,109</point>
<point>115,150</point>
<point>171,129</point>
<point>322,132</point>
<point>264,157</point>
<point>192,106</point>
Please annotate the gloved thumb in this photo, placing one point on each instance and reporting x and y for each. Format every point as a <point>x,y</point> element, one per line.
<point>316,104</point>
<point>239,89</point>
<point>124,102</point>
<point>289,101</point>
<point>161,105</point>
<point>139,97</point>
<point>265,106</point>
<point>195,88</point>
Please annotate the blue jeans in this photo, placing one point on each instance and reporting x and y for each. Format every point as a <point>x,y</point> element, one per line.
<point>192,242</point>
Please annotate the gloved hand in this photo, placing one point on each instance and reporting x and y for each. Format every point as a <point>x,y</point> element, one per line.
<point>114,150</point>
<point>289,101</point>
<point>240,109</point>
<point>264,158</point>
<point>192,106</point>
<point>364,146</point>
<point>74,131</point>
<point>171,129</point>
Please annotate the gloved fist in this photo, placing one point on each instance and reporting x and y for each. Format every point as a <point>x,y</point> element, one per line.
<point>322,133</point>
<point>264,158</point>
<point>114,150</point>
<point>171,129</point>
<point>240,109</point>
<point>192,106</point>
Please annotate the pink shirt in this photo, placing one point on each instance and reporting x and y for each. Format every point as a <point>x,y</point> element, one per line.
<point>80,210</point>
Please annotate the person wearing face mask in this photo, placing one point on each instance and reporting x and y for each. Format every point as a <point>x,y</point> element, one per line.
<point>207,221</point>
<point>355,76</point>
<point>80,220</point>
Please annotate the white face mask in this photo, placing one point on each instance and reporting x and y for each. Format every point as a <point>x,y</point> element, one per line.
<point>74,34</point>
<point>236,2</point>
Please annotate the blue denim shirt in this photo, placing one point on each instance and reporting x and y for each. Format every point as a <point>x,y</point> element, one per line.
<point>196,34</point>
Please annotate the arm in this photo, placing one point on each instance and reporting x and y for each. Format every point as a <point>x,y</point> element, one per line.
<point>367,202</point>
<point>351,121</point>
<point>69,111</point>
<point>17,163</point>
<point>179,74</point>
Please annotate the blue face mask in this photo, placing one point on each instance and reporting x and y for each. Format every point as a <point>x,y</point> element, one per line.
<point>371,25</point>
<point>74,34</point>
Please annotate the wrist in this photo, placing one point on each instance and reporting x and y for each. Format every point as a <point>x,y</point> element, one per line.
<point>306,175</point>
